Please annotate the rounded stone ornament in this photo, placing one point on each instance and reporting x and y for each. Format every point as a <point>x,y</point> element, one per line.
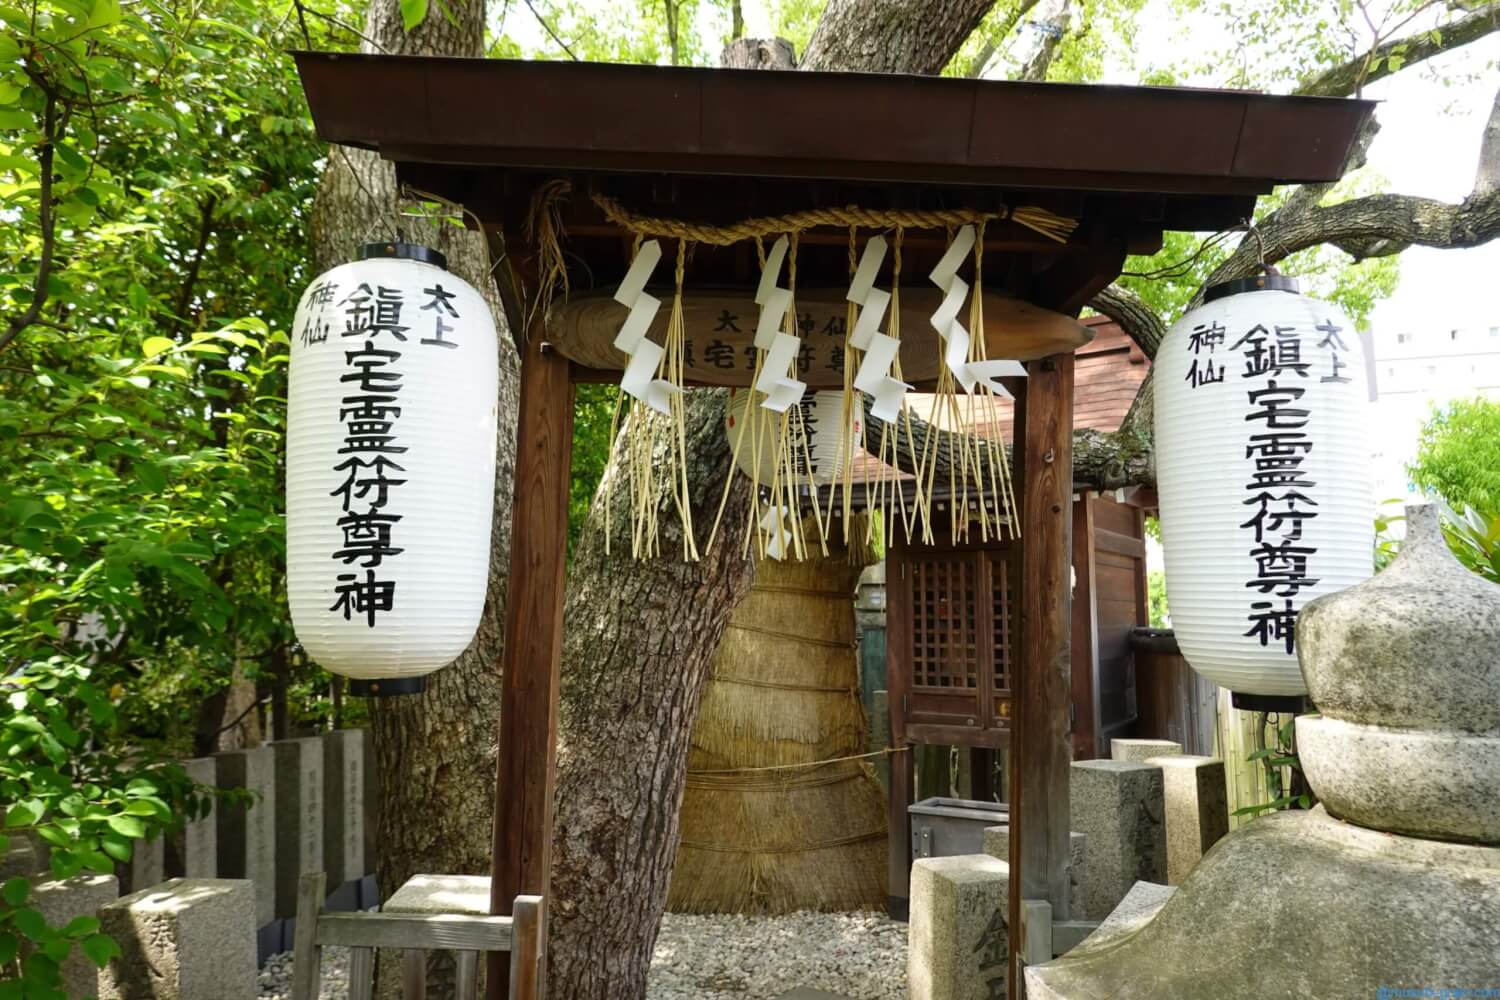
<point>1421,783</point>
<point>1417,646</point>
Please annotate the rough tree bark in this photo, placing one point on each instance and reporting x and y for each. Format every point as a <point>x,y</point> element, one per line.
<point>640,636</point>
<point>436,751</point>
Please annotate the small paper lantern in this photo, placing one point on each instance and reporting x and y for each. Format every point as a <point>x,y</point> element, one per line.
<point>819,431</point>
<point>1263,473</point>
<point>390,466</point>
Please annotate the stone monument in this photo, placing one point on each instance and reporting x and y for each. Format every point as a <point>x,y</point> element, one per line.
<point>1389,887</point>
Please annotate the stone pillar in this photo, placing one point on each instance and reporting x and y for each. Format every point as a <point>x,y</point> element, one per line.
<point>147,866</point>
<point>62,901</point>
<point>186,939</point>
<point>299,816</point>
<point>958,933</point>
<point>247,832</point>
<point>1140,751</point>
<point>1197,809</point>
<point>1119,806</point>
<point>194,853</point>
<point>24,855</point>
<point>344,805</point>
<point>997,845</point>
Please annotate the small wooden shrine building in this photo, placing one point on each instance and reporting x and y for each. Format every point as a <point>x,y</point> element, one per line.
<point>716,147</point>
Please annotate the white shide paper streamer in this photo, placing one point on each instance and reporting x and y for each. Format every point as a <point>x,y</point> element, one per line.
<point>639,380</point>
<point>955,337</point>
<point>874,376</point>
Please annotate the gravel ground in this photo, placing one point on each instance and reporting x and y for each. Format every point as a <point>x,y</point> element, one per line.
<point>859,955</point>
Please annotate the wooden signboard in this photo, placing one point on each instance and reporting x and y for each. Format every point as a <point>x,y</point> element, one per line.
<point>720,327</point>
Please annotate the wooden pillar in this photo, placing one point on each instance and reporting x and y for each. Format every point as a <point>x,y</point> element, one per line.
<point>1040,750</point>
<point>531,661</point>
<point>1086,722</point>
<point>898,849</point>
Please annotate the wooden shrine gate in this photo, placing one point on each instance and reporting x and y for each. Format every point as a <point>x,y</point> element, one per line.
<point>719,147</point>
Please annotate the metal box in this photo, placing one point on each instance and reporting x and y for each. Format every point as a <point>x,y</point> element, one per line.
<point>941,828</point>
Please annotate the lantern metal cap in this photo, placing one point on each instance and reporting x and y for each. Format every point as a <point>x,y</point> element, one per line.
<point>402,251</point>
<point>386,687</point>
<point>1254,283</point>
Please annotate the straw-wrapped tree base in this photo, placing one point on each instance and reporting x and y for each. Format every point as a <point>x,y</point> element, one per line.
<point>766,827</point>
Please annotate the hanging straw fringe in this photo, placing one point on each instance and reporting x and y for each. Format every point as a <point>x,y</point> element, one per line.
<point>543,230</point>
<point>1055,227</point>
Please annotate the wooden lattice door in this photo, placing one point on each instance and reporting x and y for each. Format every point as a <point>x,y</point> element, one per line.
<point>949,643</point>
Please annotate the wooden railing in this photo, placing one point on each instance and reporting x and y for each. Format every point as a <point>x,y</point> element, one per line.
<point>416,934</point>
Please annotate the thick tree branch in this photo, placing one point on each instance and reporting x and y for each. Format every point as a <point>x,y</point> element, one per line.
<point>45,224</point>
<point>1054,28</point>
<point>892,36</point>
<point>1139,321</point>
<point>1350,77</point>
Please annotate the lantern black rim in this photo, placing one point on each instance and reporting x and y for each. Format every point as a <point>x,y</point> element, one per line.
<point>402,251</point>
<point>386,687</point>
<point>1289,704</point>
<point>1254,283</point>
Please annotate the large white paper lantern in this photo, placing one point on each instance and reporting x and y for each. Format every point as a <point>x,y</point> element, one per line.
<point>816,436</point>
<point>390,466</point>
<point>1263,473</point>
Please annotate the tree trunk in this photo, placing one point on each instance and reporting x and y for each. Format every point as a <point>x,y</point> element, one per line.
<point>436,751</point>
<point>640,636</point>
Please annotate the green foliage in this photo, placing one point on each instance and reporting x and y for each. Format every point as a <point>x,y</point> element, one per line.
<point>1475,539</point>
<point>1156,599</point>
<point>593,415</point>
<point>86,803</point>
<point>1458,455</point>
<point>156,171</point>
<point>1386,543</point>
<point>1286,788</point>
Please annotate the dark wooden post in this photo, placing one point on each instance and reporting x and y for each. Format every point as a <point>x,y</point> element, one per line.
<point>1040,751</point>
<point>903,763</point>
<point>531,661</point>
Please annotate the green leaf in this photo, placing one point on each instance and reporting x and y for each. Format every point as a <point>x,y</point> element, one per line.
<point>127,826</point>
<point>150,476</point>
<point>16,119</point>
<point>9,946</point>
<point>156,345</point>
<point>15,891</point>
<point>30,923</point>
<point>413,13</point>
<point>100,949</point>
<point>24,813</point>
<point>103,14</point>
<point>82,926</point>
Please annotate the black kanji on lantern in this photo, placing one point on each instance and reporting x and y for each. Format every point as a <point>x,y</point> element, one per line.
<point>363,597</point>
<point>440,303</point>
<point>364,477</point>
<point>1333,344</point>
<point>371,313</point>
<point>1269,623</point>
<point>1272,355</point>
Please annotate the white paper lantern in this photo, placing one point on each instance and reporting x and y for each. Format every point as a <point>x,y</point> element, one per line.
<point>822,414</point>
<point>1263,473</point>
<point>390,466</point>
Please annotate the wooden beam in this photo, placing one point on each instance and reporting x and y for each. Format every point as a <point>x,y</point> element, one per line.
<point>1068,285</point>
<point>531,660</point>
<point>1040,751</point>
<point>415,931</point>
<point>1085,633</point>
